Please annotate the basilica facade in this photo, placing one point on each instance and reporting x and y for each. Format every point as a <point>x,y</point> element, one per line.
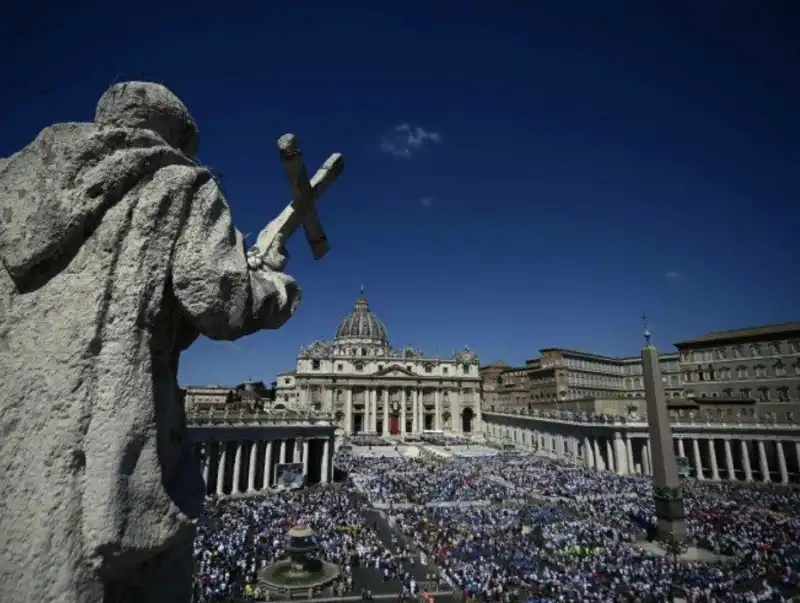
<point>372,387</point>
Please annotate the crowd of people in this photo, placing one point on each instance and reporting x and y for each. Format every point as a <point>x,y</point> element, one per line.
<point>239,537</point>
<point>445,440</point>
<point>545,531</point>
<point>364,439</point>
<point>576,535</point>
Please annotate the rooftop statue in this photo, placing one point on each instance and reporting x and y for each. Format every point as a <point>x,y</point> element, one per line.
<point>118,251</point>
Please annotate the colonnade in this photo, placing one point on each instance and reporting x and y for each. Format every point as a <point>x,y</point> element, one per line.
<point>711,456</point>
<point>239,466</point>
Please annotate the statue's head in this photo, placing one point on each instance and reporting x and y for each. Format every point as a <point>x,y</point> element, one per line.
<point>150,106</point>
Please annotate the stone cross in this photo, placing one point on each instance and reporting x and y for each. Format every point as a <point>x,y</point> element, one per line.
<point>306,193</point>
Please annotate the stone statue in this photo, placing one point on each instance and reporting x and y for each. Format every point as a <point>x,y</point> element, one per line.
<point>117,252</point>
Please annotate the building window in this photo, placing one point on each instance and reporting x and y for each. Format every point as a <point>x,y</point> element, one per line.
<point>796,366</point>
<point>380,367</point>
<point>287,380</point>
<point>793,347</point>
<point>687,378</point>
<point>429,369</point>
<point>774,349</point>
<point>727,392</point>
<point>761,371</point>
<point>339,367</point>
<point>409,368</point>
<point>783,394</point>
<point>721,354</point>
<point>780,369</point>
<point>741,372</point>
<point>359,366</point>
<point>744,393</point>
<point>315,364</point>
<point>444,370</point>
<point>763,394</point>
<point>755,350</point>
<point>737,351</point>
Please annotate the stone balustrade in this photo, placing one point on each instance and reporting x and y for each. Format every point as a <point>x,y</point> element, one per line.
<point>699,419</point>
<point>271,417</point>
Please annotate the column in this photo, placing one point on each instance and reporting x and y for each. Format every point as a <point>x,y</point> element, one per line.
<point>588,453</point>
<point>455,410</point>
<point>348,410</point>
<point>729,466</point>
<point>267,465</point>
<point>282,457</point>
<point>612,465</point>
<point>681,448</point>
<point>437,419</point>
<point>251,467</point>
<point>374,410</point>
<point>748,471</point>
<point>367,410</point>
<point>385,397</point>
<point>206,462</point>
<point>647,458</point>
<point>421,410</point>
<point>223,454</point>
<point>414,412</point>
<point>712,456</point>
<point>762,461</point>
<point>329,399</point>
<point>784,471</point>
<point>477,418</point>
<point>325,473</point>
<point>598,455</point>
<point>629,451</point>
<point>403,401</point>
<point>620,454</point>
<point>237,468</point>
<point>297,450</point>
<point>698,461</point>
<point>797,455</point>
<point>305,458</point>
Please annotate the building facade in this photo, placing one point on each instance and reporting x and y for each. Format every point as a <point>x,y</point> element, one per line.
<point>371,387</point>
<point>756,367</point>
<point>559,376</point>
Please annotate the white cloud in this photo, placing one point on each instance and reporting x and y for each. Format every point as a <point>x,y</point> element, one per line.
<point>405,140</point>
<point>673,275</point>
<point>426,201</point>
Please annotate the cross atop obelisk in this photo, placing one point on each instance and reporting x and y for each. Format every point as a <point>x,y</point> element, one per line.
<point>666,484</point>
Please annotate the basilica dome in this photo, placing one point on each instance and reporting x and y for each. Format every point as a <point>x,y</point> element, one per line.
<point>362,324</point>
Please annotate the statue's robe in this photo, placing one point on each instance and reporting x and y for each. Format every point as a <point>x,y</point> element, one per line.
<point>116,251</point>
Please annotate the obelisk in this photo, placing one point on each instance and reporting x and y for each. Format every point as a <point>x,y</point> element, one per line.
<point>666,484</point>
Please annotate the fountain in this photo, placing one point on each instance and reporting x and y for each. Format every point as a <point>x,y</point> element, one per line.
<point>301,572</point>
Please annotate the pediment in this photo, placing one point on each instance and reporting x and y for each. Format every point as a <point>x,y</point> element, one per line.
<point>394,370</point>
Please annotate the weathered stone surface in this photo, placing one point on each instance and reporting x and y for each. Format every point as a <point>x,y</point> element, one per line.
<point>117,252</point>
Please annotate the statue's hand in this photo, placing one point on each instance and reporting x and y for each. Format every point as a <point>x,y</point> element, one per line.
<point>270,257</point>
<point>269,252</point>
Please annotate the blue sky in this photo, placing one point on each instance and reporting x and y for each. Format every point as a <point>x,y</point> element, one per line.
<point>584,161</point>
